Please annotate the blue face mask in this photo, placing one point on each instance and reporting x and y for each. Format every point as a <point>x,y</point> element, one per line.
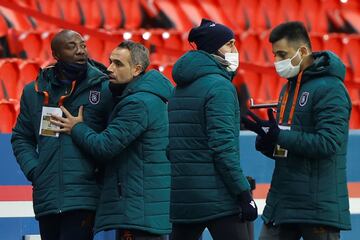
<point>72,71</point>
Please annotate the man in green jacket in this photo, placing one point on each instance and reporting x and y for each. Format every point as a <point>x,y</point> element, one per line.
<point>208,186</point>
<point>65,186</point>
<point>135,198</point>
<point>308,196</point>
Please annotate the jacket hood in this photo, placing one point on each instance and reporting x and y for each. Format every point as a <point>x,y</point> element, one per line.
<point>153,82</point>
<point>325,63</point>
<point>196,64</point>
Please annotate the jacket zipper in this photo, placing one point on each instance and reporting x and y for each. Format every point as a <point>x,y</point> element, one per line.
<point>61,181</point>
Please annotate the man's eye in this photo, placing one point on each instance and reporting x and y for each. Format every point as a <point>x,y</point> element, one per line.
<point>71,46</point>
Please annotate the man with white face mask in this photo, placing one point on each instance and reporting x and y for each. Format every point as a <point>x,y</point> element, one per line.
<point>208,186</point>
<point>308,196</point>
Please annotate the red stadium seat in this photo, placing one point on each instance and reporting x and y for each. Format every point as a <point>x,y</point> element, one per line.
<point>353,5</point>
<point>28,73</point>
<point>249,51</point>
<point>110,45</point>
<point>311,15</point>
<point>31,43</point>
<point>46,54</point>
<point>95,47</point>
<point>8,116</point>
<point>153,40</point>
<point>173,40</point>
<point>333,42</point>
<point>316,42</point>
<point>71,11</point>
<point>351,57</point>
<point>238,39</point>
<point>192,10</point>
<point>352,18</point>
<point>17,20</point>
<point>246,14</point>
<point>265,54</point>
<point>228,7</point>
<point>271,84</point>
<point>175,14</point>
<point>133,15</point>
<point>267,15</point>
<point>288,10</point>
<point>354,91</point>
<point>3,27</point>
<point>252,80</point>
<point>355,116</point>
<point>33,4</point>
<point>51,8</point>
<point>93,13</point>
<point>215,12</point>
<point>114,14</point>
<point>9,75</point>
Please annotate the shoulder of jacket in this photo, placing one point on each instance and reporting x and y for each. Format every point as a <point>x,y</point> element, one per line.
<point>135,98</point>
<point>29,88</point>
<point>221,84</point>
<point>326,83</point>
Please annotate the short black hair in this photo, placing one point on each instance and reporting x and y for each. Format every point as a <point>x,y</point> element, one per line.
<point>292,31</point>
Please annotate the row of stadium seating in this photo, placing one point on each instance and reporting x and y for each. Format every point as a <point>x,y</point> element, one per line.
<point>261,15</point>
<point>27,41</point>
<point>319,16</point>
<point>253,46</point>
<point>15,73</point>
<point>262,81</point>
<point>166,46</point>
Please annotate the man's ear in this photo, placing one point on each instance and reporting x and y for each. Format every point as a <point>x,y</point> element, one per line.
<point>55,55</point>
<point>305,51</point>
<point>137,70</point>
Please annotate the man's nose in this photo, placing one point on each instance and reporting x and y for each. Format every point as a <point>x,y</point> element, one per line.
<point>80,50</point>
<point>108,70</point>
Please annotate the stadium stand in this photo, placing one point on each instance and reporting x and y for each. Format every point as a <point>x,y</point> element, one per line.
<point>162,26</point>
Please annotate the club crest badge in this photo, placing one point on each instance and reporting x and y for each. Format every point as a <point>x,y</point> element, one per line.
<point>303,99</point>
<point>94,97</point>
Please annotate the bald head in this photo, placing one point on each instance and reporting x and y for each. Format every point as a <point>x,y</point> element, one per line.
<point>60,38</point>
<point>68,45</point>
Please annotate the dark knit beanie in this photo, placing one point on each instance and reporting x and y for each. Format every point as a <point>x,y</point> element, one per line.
<point>210,36</point>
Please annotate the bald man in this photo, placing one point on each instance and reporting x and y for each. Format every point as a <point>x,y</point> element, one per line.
<point>64,178</point>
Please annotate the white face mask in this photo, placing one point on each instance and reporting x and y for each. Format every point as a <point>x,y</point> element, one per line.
<point>285,68</point>
<point>233,59</point>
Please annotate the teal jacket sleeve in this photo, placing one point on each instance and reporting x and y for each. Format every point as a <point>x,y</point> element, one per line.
<point>128,123</point>
<point>223,137</point>
<point>24,141</point>
<point>331,115</point>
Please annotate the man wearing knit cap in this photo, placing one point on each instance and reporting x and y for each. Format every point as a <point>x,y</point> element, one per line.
<point>209,189</point>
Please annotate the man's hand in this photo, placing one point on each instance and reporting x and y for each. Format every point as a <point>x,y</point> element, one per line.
<point>267,129</point>
<point>69,122</point>
<point>249,211</point>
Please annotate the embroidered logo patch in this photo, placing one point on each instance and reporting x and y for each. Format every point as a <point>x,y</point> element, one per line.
<point>94,97</point>
<point>303,99</point>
